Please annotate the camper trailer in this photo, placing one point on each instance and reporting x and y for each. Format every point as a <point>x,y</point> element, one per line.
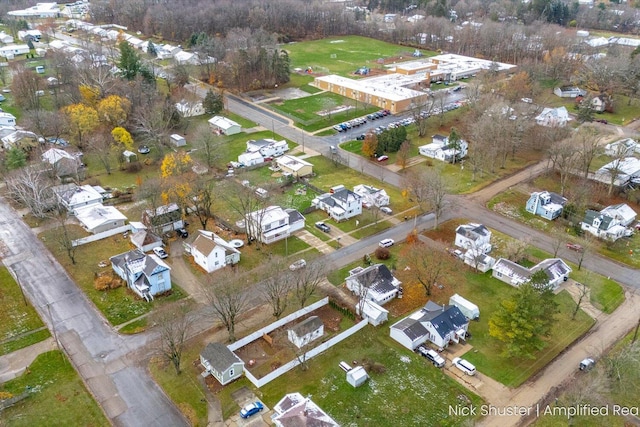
<point>469,309</point>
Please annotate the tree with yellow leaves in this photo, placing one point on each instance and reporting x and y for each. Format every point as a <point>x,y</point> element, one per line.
<point>114,110</point>
<point>90,95</point>
<point>175,164</point>
<point>176,178</point>
<point>122,138</point>
<point>82,119</point>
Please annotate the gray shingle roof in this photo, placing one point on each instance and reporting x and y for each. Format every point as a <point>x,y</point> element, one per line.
<point>376,277</point>
<point>411,328</point>
<point>307,326</point>
<point>219,356</point>
<point>444,319</point>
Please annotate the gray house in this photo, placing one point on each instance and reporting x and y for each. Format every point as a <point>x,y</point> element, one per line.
<point>221,362</point>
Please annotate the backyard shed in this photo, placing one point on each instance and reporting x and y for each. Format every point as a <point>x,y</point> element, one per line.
<point>357,376</point>
<point>469,309</point>
<point>178,140</point>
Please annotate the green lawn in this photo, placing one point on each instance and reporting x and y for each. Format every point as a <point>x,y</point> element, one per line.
<point>58,396</point>
<point>118,305</point>
<point>21,326</point>
<point>512,203</point>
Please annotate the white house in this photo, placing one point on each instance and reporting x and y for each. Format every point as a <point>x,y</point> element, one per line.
<point>222,363</point>
<point>40,10</point>
<point>306,331</point>
<point>163,219</point>
<point>374,313</point>
<point>211,252</point>
<point>440,149</point>
<point>357,376</point>
<point>26,35</point>
<point>599,103</point>
<point>250,158</point>
<point>469,309</point>
<point>374,283</point>
<point>553,117</point>
<point>224,125</point>
<point>5,38</point>
<point>295,166</point>
<point>20,138</point>
<point>178,140</point>
<point>11,50</point>
<point>474,237</point>
<point>97,218</point>
<point>190,109</point>
<point>146,275</point>
<point>514,274</point>
<point>372,196</point>
<point>273,223</point>
<point>183,57</point>
<point>73,197</point>
<point>341,204</point>
<point>479,261</point>
<point>569,92</point>
<point>268,147</point>
<point>299,411</point>
<point>621,171</point>
<point>610,223</point>
<point>622,148</point>
<point>7,119</point>
<point>440,324</point>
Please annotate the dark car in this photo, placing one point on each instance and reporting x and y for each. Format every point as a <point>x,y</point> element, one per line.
<point>603,121</point>
<point>361,137</point>
<point>58,141</point>
<point>323,227</point>
<point>182,232</point>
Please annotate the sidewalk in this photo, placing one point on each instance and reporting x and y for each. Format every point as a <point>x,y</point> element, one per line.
<point>12,365</point>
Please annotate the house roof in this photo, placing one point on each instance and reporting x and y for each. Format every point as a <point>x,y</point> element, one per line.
<point>220,357</point>
<point>553,197</point>
<point>377,278</point>
<point>269,215</point>
<point>606,221</point>
<point>555,268</point>
<point>293,163</point>
<point>137,262</point>
<point>73,195</point>
<point>473,231</point>
<point>445,318</point>
<point>53,155</point>
<point>222,122</point>
<point>346,195</point>
<point>624,169</point>
<point>622,212</point>
<point>412,328</point>
<point>93,216</point>
<point>307,326</point>
<point>143,237</point>
<point>161,210</point>
<point>294,410</point>
<point>294,216</point>
<point>207,241</point>
<point>559,114</point>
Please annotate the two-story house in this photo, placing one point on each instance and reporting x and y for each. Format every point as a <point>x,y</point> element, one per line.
<point>474,237</point>
<point>73,197</point>
<point>441,149</point>
<point>211,252</point>
<point>553,117</point>
<point>163,219</point>
<point>372,196</point>
<point>374,283</point>
<point>610,223</point>
<point>546,204</point>
<point>273,223</point>
<point>341,203</point>
<point>146,275</point>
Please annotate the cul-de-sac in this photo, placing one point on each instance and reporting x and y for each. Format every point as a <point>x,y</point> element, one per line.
<point>358,213</point>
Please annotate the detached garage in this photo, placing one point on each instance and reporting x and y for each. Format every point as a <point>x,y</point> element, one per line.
<point>224,125</point>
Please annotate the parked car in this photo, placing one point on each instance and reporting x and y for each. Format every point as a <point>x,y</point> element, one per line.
<point>57,141</point>
<point>464,366</point>
<point>298,265</point>
<point>323,227</point>
<point>386,209</point>
<point>338,128</point>
<point>251,409</point>
<point>143,149</point>
<point>527,100</point>
<point>587,364</point>
<point>385,243</point>
<point>574,247</point>
<point>160,252</point>
<point>383,158</point>
<point>182,232</point>
<point>432,355</point>
<point>603,121</point>
<point>361,137</point>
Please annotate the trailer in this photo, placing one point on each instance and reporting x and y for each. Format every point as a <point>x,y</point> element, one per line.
<point>469,309</point>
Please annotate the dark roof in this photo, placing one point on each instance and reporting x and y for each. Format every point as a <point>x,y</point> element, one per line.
<point>294,216</point>
<point>307,326</point>
<point>557,198</point>
<point>121,259</point>
<point>376,277</point>
<point>472,231</point>
<point>590,215</point>
<point>219,356</point>
<point>412,328</point>
<point>345,195</point>
<point>444,319</point>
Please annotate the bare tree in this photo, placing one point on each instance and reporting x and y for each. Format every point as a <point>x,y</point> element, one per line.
<point>306,281</point>
<point>228,297</point>
<point>427,263</point>
<point>583,292</point>
<point>250,206</point>
<point>558,241</point>
<point>31,187</point>
<point>436,192</point>
<point>587,142</point>
<point>174,323</point>
<point>150,190</point>
<point>277,286</point>
<point>66,234</point>
<point>26,85</point>
<point>202,188</point>
<point>515,250</point>
<point>403,155</point>
<point>208,143</point>
<point>563,159</point>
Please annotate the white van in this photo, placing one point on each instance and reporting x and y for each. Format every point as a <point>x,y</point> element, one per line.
<point>385,243</point>
<point>464,366</point>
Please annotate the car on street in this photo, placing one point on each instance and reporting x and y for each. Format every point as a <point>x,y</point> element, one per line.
<point>385,243</point>
<point>251,409</point>
<point>383,158</point>
<point>603,121</point>
<point>361,137</point>
<point>432,355</point>
<point>182,232</point>
<point>386,209</point>
<point>160,252</point>
<point>587,364</point>
<point>143,149</point>
<point>298,265</point>
<point>323,227</point>
<point>464,366</point>
<point>574,247</point>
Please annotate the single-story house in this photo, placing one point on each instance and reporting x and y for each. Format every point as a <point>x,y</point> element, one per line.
<point>221,362</point>
<point>5,38</point>
<point>440,324</point>
<point>268,147</point>
<point>183,57</point>
<point>515,275</point>
<point>295,410</point>
<point>10,51</point>
<point>142,238</point>
<point>546,204</point>
<point>374,283</point>
<point>440,149</point>
<point>306,331</point>
<point>372,196</point>
<point>553,117</point>
<point>479,261</point>
<point>7,119</point>
<point>294,166</point>
<point>569,92</point>
<point>621,170</point>
<point>146,275</point>
<point>474,237</point>
<point>224,125</point>
<point>178,140</point>
<point>340,203</point>
<point>622,148</point>
<point>374,313</point>
<point>73,197</point>
<point>64,164</point>
<point>22,139</point>
<point>97,218</point>
<point>610,223</point>
<point>250,158</point>
<point>211,252</point>
<point>190,109</point>
<point>164,218</point>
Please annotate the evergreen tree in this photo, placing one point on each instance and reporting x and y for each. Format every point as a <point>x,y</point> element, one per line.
<point>130,64</point>
<point>213,102</point>
<point>16,158</point>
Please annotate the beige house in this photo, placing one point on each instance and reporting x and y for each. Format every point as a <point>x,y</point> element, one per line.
<point>294,166</point>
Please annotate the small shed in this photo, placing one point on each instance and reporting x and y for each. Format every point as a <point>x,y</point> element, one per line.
<point>129,156</point>
<point>357,376</point>
<point>178,140</point>
<point>306,331</point>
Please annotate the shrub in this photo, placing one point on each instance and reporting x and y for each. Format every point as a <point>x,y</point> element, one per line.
<point>382,253</point>
<point>134,167</point>
<point>106,282</point>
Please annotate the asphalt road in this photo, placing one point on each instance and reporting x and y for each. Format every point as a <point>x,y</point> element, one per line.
<point>128,396</point>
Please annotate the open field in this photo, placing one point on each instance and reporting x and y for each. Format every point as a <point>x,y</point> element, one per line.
<point>57,396</point>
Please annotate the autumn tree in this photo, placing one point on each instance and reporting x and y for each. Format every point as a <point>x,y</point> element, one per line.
<point>524,320</point>
<point>114,110</point>
<point>403,155</point>
<point>427,263</point>
<point>369,145</point>
<point>228,298</point>
<point>175,164</point>
<point>173,323</point>
<point>517,87</point>
<point>90,95</point>
<point>177,178</point>
<point>82,120</point>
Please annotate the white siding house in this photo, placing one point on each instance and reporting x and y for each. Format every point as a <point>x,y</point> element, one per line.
<point>306,331</point>
<point>211,252</point>
<point>341,204</point>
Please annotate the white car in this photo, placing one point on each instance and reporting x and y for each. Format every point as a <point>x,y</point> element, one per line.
<point>385,243</point>
<point>464,366</point>
<point>298,265</point>
<point>387,210</point>
<point>160,252</point>
<point>437,360</point>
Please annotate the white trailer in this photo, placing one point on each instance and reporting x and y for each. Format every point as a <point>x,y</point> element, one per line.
<point>469,309</point>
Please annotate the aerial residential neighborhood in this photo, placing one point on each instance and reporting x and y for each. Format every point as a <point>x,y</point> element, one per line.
<point>343,213</point>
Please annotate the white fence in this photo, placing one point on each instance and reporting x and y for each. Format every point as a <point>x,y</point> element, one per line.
<point>308,355</point>
<point>102,235</point>
<point>275,325</point>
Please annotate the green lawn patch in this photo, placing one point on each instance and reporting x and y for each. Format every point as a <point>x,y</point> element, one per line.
<point>512,204</point>
<point>57,396</point>
<point>606,294</point>
<point>21,325</point>
<point>134,327</point>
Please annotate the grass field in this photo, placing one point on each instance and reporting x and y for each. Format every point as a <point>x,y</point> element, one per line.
<point>21,326</point>
<point>58,396</point>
